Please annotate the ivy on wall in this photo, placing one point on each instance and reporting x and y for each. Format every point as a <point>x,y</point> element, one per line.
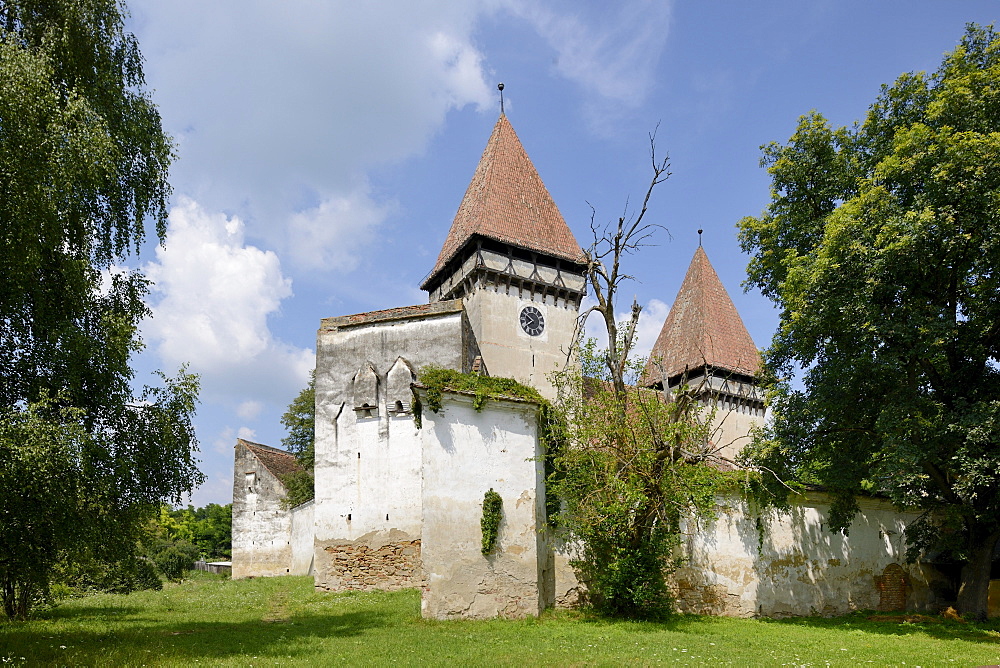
<point>490,523</point>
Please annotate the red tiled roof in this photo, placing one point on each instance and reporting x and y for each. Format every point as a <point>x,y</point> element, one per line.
<point>279,462</point>
<point>398,313</point>
<point>702,328</point>
<point>508,202</point>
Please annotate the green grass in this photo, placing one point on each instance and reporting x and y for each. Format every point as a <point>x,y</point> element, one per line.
<point>282,621</point>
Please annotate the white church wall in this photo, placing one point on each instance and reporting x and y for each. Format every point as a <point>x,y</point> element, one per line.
<point>494,313</point>
<point>792,564</point>
<point>367,512</point>
<point>261,524</point>
<point>302,531</point>
<point>465,453</point>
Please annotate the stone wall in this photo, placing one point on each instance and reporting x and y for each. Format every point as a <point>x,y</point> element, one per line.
<point>390,566</point>
<point>776,564</point>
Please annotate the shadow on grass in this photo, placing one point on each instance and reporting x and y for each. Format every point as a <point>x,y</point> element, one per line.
<point>899,625</point>
<point>886,624</point>
<point>186,642</point>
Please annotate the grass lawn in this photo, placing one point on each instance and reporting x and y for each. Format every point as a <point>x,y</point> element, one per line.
<point>213,621</point>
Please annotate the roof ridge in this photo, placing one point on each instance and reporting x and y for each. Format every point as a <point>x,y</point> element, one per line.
<point>702,329</point>
<point>507,201</point>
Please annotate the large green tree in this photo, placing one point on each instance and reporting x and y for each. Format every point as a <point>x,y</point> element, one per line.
<point>300,421</point>
<point>881,246</point>
<point>83,167</point>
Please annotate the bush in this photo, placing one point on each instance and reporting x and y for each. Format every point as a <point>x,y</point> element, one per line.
<point>173,558</point>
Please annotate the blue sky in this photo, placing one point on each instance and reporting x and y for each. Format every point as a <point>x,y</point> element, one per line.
<point>323,149</point>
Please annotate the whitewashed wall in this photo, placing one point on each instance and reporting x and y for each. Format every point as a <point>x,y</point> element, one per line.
<point>261,524</point>
<point>368,463</point>
<point>465,453</point>
<point>792,564</point>
<point>302,532</point>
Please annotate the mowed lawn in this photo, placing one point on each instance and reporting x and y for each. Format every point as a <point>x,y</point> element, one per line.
<point>213,621</point>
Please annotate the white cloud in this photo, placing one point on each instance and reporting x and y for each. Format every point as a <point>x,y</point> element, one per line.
<point>651,319</point>
<point>612,53</point>
<point>249,410</point>
<point>279,109</point>
<point>211,301</point>
<point>330,234</point>
<point>246,433</point>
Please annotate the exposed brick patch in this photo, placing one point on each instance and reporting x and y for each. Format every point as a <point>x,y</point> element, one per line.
<point>891,587</point>
<point>391,566</point>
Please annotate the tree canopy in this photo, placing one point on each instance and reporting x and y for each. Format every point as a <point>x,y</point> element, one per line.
<point>881,246</point>
<point>300,421</point>
<point>83,167</point>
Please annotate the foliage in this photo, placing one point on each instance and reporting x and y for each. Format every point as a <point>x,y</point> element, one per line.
<point>437,380</point>
<point>881,246</point>
<point>633,471</point>
<point>173,558</point>
<point>83,162</point>
<point>208,620</point>
<point>490,522</point>
<point>85,575</point>
<point>300,421</point>
<point>209,528</point>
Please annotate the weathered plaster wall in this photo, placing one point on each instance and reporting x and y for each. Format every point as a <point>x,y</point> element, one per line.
<point>791,564</point>
<point>261,526</point>
<point>302,531</point>
<point>368,461</point>
<point>465,453</point>
<point>731,426</point>
<point>494,313</point>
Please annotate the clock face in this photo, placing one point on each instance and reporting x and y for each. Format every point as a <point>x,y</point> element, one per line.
<point>532,321</point>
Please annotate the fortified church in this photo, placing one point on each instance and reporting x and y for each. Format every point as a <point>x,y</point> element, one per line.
<point>399,499</point>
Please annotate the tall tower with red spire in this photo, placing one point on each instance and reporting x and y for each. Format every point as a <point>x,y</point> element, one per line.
<point>514,262</point>
<point>705,345</point>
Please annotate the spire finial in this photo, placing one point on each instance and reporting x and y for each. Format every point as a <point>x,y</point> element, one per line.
<point>699,237</point>
<point>500,88</point>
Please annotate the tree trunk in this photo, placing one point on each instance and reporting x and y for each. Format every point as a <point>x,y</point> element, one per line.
<point>973,594</point>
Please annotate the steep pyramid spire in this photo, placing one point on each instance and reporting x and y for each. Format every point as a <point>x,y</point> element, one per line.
<point>507,202</point>
<point>703,329</point>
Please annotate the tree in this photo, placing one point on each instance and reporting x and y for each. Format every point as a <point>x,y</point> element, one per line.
<point>881,246</point>
<point>626,464</point>
<point>300,421</point>
<point>83,165</point>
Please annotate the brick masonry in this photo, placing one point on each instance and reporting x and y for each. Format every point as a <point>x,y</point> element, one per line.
<point>891,587</point>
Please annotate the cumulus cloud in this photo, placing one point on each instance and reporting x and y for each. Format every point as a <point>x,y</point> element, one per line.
<point>330,234</point>
<point>211,300</point>
<point>279,111</point>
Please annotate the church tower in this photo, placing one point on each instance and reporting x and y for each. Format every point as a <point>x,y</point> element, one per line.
<point>514,262</point>
<point>705,345</point>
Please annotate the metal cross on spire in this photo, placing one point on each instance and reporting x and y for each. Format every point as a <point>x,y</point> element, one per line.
<point>500,88</point>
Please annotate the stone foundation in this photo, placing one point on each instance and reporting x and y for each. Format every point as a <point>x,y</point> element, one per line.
<point>354,566</point>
